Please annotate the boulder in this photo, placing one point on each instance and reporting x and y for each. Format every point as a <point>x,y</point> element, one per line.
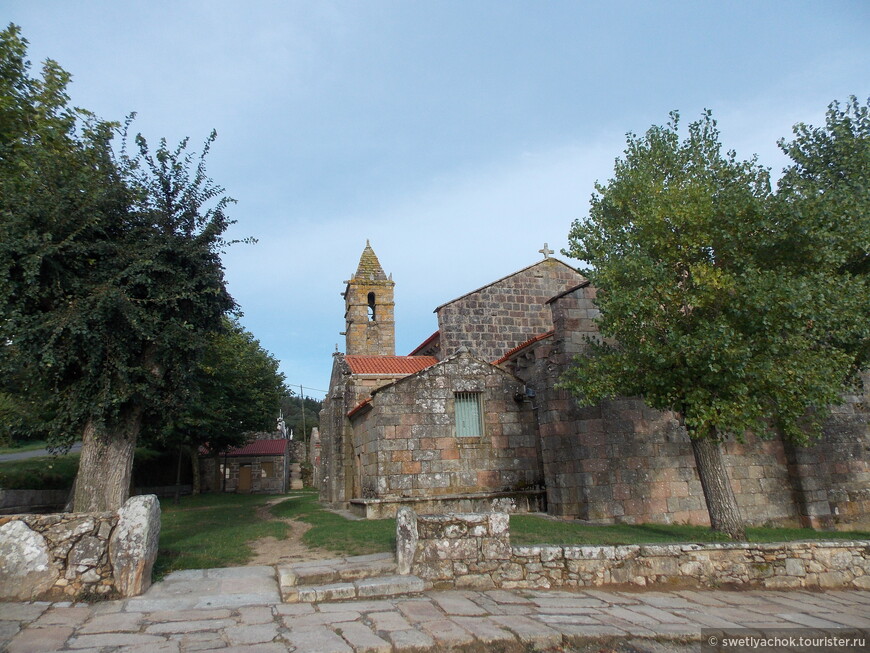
<point>133,545</point>
<point>26,568</point>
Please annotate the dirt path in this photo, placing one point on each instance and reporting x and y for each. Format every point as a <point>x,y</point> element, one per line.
<point>272,551</point>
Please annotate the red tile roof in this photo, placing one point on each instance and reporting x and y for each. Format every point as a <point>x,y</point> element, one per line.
<point>353,411</point>
<point>428,341</point>
<point>522,346</point>
<point>389,365</point>
<point>261,448</point>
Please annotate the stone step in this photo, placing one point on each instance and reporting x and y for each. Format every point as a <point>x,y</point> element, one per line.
<point>337,570</point>
<point>365,588</point>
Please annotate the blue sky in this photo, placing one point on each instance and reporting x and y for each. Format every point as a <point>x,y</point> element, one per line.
<point>458,136</point>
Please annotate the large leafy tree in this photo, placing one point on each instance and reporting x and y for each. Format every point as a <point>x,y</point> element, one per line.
<point>238,389</point>
<point>110,274</point>
<point>824,199</point>
<point>705,309</point>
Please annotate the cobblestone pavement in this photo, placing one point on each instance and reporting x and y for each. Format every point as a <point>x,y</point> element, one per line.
<point>240,610</point>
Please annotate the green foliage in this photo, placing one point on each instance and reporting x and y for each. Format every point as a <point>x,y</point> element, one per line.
<point>238,389</point>
<point>530,530</point>
<point>292,410</point>
<point>110,271</point>
<point>706,306</point>
<point>825,200</point>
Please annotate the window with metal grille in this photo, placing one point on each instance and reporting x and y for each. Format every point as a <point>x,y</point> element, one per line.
<point>469,416</point>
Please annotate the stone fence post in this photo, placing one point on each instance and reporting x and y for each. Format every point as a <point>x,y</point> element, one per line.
<point>453,550</point>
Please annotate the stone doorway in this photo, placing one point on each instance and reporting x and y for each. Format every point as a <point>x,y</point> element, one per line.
<point>244,478</point>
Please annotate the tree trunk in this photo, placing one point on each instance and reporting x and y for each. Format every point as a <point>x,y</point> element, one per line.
<point>718,493</point>
<point>197,472</point>
<point>177,498</point>
<point>106,465</point>
<point>71,497</point>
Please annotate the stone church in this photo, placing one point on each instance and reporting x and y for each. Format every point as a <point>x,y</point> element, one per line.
<point>472,420</point>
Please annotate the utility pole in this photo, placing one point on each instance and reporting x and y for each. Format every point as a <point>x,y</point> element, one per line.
<point>302,401</point>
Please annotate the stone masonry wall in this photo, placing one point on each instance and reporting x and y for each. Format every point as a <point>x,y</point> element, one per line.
<point>623,461</point>
<point>271,483</point>
<point>336,474</point>
<point>474,551</point>
<point>832,476</point>
<point>79,555</point>
<point>495,319</point>
<point>407,445</point>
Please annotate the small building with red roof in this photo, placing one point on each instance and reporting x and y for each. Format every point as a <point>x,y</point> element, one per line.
<point>260,466</point>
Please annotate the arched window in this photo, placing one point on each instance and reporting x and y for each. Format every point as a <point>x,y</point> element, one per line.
<point>372,316</point>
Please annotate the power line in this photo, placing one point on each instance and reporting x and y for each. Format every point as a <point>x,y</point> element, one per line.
<point>305,387</point>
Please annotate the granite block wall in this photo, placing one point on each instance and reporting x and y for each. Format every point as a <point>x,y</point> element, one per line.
<point>494,319</point>
<point>406,443</point>
<point>79,555</point>
<point>622,461</point>
<point>474,551</point>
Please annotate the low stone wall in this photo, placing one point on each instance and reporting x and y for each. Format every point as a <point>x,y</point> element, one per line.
<point>17,501</point>
<point>485,502</point>
<point>474,551</point>
<point>79,555</point>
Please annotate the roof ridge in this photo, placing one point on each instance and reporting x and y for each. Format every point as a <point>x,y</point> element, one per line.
<point>523,345</point>
<point>507,276</point>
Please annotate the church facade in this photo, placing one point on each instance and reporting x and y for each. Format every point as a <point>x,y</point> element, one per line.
<point>473,419</point>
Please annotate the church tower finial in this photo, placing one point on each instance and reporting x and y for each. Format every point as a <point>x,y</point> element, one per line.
<point>368,300</point>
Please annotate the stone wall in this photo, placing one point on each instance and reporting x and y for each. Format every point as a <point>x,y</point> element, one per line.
<point>498,317</point>
<point>336,450</point>
<point>79,555</point>
<point>474,551</point>
<point>15,501</point>
<point>406,445</point>
<point>622,461</point>
<point>314,458</point>
<point>271,483</point>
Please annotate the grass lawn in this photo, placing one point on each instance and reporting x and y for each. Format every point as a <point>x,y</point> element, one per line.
<point>211,530</point>
<point>40,473</point>
<point>24,445</point>
<point>214,530</point>
<point>334,532</point>
<point>532,530</point>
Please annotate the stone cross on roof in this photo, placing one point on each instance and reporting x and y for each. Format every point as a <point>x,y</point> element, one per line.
<point>546,251</point>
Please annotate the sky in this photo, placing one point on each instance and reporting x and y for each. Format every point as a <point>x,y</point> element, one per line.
<point>458,136</point>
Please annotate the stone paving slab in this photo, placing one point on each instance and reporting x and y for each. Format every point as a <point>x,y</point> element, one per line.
<point>187,612</point>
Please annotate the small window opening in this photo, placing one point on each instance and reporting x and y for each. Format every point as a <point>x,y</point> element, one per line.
<point>372,316</point>
<point>469,416</point>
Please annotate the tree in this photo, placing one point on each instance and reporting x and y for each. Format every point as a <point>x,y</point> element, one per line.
<point>110,271</point>
<point>828,187</point>
<point>238,389</point>
<point>292,408</point>
<point>702,311</point>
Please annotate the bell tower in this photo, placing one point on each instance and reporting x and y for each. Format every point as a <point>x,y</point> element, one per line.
<point>370,328</point>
